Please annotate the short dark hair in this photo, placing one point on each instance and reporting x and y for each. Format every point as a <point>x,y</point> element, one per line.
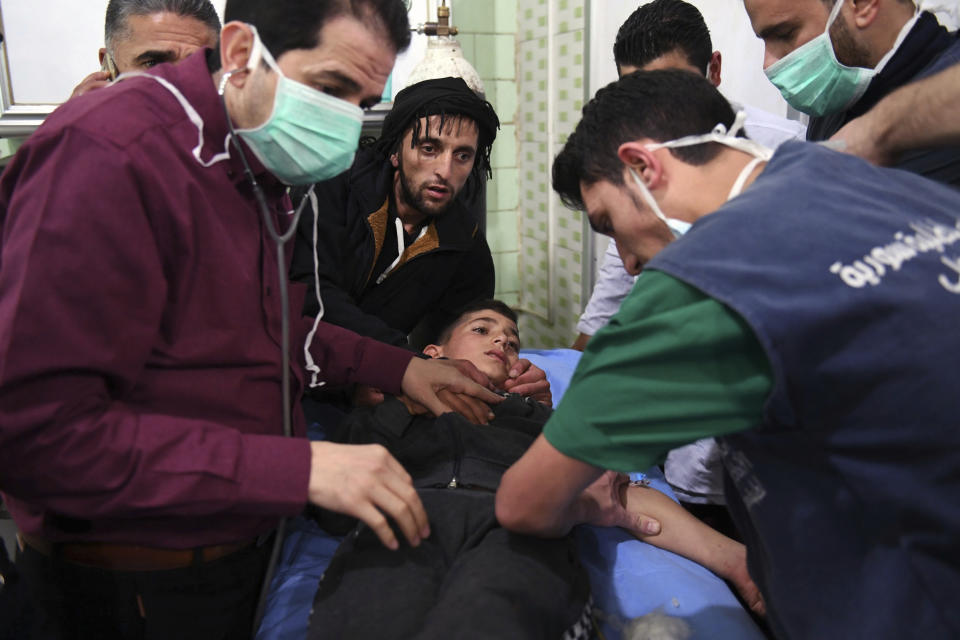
<point>480,305</point>
<point>119,11</point>
<point>285,25</point>
<point>661,27</point>
<point>660,105</point>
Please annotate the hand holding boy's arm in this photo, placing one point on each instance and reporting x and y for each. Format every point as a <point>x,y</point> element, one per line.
<point>603,504</point>
<point>547,492</point>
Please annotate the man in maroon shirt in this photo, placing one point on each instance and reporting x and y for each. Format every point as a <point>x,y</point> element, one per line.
<point>140,322</point>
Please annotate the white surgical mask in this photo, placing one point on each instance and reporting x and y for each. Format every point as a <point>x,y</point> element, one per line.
<point>310,136</point>
<point>721,135</point>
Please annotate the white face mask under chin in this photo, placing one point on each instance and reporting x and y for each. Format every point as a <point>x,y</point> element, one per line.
<point>720,135</point>
<point>677,227</point>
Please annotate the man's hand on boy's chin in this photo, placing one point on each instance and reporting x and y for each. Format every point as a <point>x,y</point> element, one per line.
<point>468,393</point>
<point>527,379</point>
<point>475,411</point>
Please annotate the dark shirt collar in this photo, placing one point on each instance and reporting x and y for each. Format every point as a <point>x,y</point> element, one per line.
<point>924,44</point>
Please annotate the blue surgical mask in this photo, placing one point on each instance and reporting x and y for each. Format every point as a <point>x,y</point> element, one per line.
<point>813,81</point>
<point>721,135</point>
<point>310,136</point>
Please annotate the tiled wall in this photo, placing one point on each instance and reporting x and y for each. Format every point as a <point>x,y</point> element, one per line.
<point>487,37</point>
<point>9,146</point>
<point>530,55</point>
<point>551,70</point>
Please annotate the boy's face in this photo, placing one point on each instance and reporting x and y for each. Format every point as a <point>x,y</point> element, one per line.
<point>487,339</point>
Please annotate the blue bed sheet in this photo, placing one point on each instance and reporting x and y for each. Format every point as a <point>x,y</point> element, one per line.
<point>629,578</point>
<point>558,364</point>
<point>307,551</point>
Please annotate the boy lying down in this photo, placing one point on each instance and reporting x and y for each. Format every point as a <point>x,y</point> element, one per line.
<point>471,577</point>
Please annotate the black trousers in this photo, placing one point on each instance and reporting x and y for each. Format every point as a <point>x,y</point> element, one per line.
<point>470,579</point>
<point>716,516</point>
<point>16,611</point>
<point>208,601</point>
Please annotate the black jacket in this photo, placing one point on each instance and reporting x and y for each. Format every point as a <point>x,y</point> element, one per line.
<point>449,451</point>
<point>444,270</point>
<point>927,49</point>
<point>442,452</point>
<point>470,578</point>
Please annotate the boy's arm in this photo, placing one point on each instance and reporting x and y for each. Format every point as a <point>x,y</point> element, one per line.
<point>546,493</point>
<point>653,517</point>
<point>685,535</point>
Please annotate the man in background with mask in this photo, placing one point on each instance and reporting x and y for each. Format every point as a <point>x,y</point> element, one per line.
<point>142,385</point>
<point>835,59</point>
<point>140,34</point>
<point>837,427</point>
<point>397,252</point>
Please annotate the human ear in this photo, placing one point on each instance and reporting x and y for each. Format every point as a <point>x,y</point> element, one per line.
<point>636,156</point>
<point>713,69</point>
<point>865,12</point>
<point>394,160</point>
<point>236,46</point>
<point>433,350</point>
<point>103,53</point>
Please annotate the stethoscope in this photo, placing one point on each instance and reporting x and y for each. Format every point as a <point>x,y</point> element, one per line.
<point>280,240</point>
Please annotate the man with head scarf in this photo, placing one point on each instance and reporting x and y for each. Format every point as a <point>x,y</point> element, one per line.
<point>390,248</point>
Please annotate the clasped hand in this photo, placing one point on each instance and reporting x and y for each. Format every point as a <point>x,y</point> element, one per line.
<point>603,503</point>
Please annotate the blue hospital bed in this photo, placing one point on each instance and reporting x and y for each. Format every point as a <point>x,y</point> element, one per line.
<point>629,578</point>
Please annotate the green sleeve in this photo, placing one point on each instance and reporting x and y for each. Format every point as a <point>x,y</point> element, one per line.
<point>673,366</point>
